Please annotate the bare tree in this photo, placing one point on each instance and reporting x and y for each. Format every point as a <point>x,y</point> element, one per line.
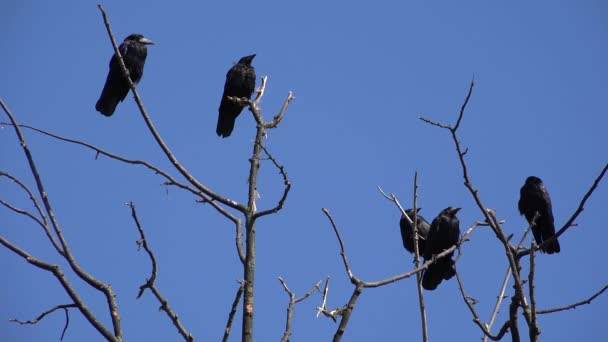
<point>244,217</point>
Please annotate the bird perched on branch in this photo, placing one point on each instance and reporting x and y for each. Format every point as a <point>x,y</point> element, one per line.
<point>535,198</point>
<point>407,231</point>
<point>443,234</point>
<point>134,51</point>
<point>240,82</point>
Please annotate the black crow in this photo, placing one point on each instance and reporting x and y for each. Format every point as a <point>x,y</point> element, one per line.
<point>240,82</point>
<point>134,51</point>
<point>407,231</point>
<point>535,198</point>
<point>443,234</point>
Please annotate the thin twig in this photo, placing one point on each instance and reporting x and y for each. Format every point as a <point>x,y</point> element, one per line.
<point>286,182</point>
<point>470,302</point>
<point>65,308</point>
<point>170,180</point>
<point>67,254</point>
<point>142,242</point>
<point>575,305</point>
<point>425,334</point>
<point>505,282</point>
<point>292,302</point>
<point>56,271</point>
<point>34,200</point>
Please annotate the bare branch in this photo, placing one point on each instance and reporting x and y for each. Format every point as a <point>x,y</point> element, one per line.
<point>235,304</point>
<point>470,302</point>
<point>505,282</point>
<point>142,242</point>
<point>56,271</point>
<point>352,278</point>
<point>515,303</point>
<point>157,170</point>
<point>292,302</point>
<point>323,307</point>
<point>80,272</point>
<point>575,305</point>
<point>286,182</point>
<point>425,334</point>
<point>65,307</point>
<point>464,105</point>
<point>346,312</point>
<point>34,200</point>
<point>533,326</point>
<point>488,214</point>
<point>277,118</point>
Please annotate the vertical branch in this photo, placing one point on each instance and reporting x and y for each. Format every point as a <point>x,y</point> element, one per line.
<point>503,288</point>
<point>513,317</point>
<point>425,336</point>
<point>250,254</point>
<point>533,327</point>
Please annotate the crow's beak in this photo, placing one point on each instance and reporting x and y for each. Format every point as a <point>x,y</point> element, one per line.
<point>455,210</point>
<point>146,41</point>
<point>418,210</point>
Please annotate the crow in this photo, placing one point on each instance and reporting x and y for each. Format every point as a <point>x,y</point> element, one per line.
<point>443,234</point>
<point>535,198</point>
<point>407,231</point>
<point>240,82</point>
<point>134,51</point>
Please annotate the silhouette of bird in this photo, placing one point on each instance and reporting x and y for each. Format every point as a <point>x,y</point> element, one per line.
<point>443,234</point>
<point>240,82</point>
<point>134,51</point>
<point>407,231</point>
<point>535,198</point>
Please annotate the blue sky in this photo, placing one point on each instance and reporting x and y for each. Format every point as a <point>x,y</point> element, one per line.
<point>362,74</point>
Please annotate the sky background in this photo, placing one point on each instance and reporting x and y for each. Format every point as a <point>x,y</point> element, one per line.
<point>362,74</point>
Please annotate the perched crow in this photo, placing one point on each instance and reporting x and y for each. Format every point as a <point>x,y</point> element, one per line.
<point>134,52</point>
<point>443,234</point>
<point>407,232</point>
<point>535,198</point>
<point>240,82</point>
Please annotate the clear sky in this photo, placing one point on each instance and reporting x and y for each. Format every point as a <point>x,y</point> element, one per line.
<point>362,74</point>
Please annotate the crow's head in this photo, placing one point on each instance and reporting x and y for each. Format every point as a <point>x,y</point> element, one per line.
<point>533,180</point>
<point>247,59</point>
<point>450,211</point>
<point>139,38</point>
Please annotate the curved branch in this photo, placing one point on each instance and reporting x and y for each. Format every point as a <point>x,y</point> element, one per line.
<point>286,182</point>
<point>142,242</point>
<point>575,305</point>
<point>56,271</point>
<point>65,308</point>
<point>82,274</point>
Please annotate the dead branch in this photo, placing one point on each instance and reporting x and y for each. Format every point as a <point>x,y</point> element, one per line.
<point>292,302</point>
<point>575,305</point>
<point>235,304</point>
<point>149,284</point>
<point>65,308</point>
